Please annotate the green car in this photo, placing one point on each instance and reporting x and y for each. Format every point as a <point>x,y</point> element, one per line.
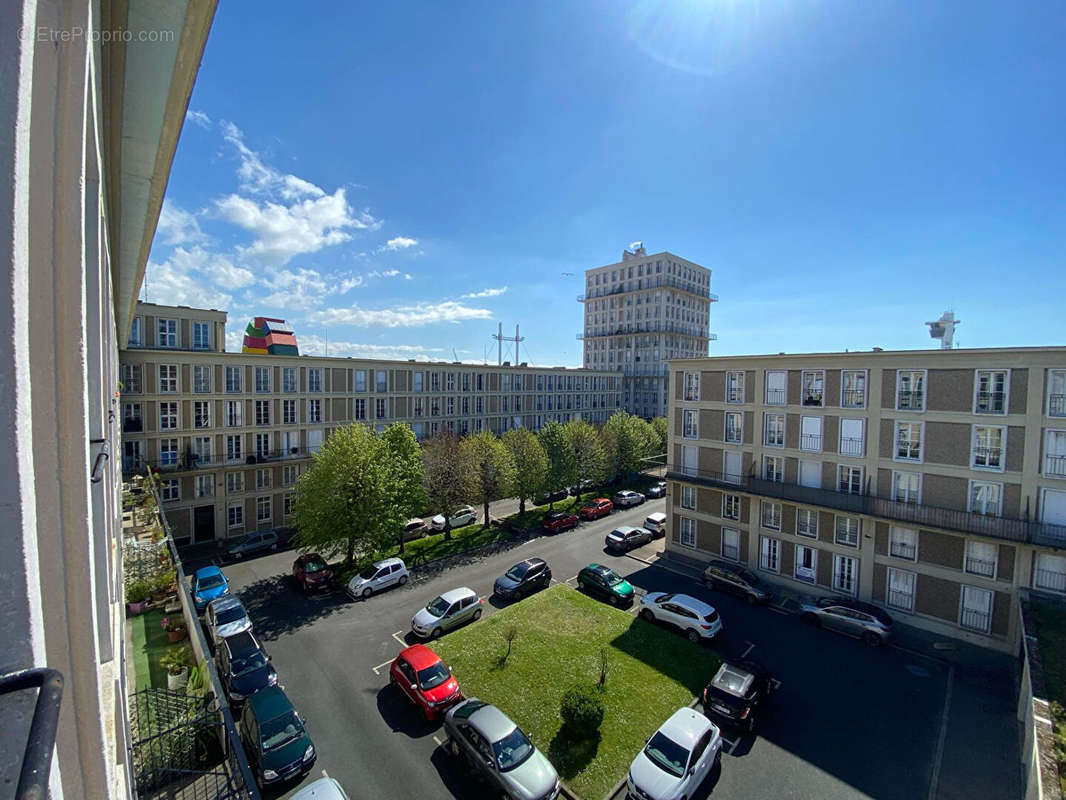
<point>604,582</point>
<point>274,738</point>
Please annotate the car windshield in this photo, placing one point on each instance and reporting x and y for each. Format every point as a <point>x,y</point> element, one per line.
<point>368,573</point>
<point>610,577</point>
<point>210,582</point>
<point>512,750</point>
<point>314,565</point>
<point>749,577</point>
<point>432,677</point>
<point>438,606</point>
<point>732,680</point>
<point>667,754</point>
<point>230,615</point>
<point>281,730</point>
<point>249,663</point>
<point>517,572</point>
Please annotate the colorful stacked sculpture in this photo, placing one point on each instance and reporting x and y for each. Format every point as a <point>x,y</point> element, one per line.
<point>268,335</point>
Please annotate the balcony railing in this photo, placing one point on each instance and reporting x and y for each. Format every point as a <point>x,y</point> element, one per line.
<point>987,455</point>
<point>40,742</point>
<point>1015,530</point>
<point>1056,405</point>
<point>851,446</point>
<point>990,403</point>
<point>903,550</point>
<point>854,398</point>
<point>1055,466</point>
<point>811,442</point>
<point>903,600</point>
<point>647,326</point>
<point>193,461</point>
<point>812,399</point>
<point>734,395</point>
<point>775,397</point>
<point>980,566</point>
<point>975,620</point>
<point>912,400</point>
<point>1050,579</point>
<point>653,282</point>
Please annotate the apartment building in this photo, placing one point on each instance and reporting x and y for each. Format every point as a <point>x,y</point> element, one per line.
<point>233,431</point>
<point>932,483</point>
<point>641,311</point>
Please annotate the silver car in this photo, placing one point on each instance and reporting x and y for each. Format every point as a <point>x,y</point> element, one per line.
<point>226,617</point>
<point>627,498</point>
<point>379,575</point>
<point>499,752</point>
<point>850,617</point>
<point>448,611</point>
<point>626,537</point>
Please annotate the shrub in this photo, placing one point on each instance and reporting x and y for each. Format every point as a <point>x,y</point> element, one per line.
<point>582,710</point>
<point>175,659</point>
<point>138,592</point>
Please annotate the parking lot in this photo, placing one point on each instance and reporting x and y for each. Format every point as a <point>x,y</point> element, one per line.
<point>847,720</point>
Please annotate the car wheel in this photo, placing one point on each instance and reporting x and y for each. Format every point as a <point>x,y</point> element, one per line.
<point>751,723</point>
<point>812,620</point>
<point>453,747</point>
<point>403,580</point>
<point>616,600</point>
<point>647,615</point>
<point>718,758</point>
<point>751,599</point>
<point>436,633</point>
<point>871,639</point>
<point>693,636</point>
<point>274,546</point>
<point>367,592</point>
<point>477,615</point>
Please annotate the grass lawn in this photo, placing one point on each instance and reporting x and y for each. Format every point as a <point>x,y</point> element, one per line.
<point>651,673</point>
<point>149,644</point>
<point>1050,621</point>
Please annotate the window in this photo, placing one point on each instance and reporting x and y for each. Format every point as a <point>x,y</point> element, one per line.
<point>846,531</point>
<point>990,391</point>
<point>314,410</point>
<point>262,445</point>
<point>235,515</point>
<point>233,380</point>
<point>360,380</point>
<point>234,409</point>
<point>1055,454</point>
<point>1056,393</point>
<point>234,482</point>
<point>381,381</point>
<point>135,332</point>
<point>169,489</point>
<point>418,381</point>
<point>813,386</point>
<point>899,593</point>
<point>289,474</point>
<point>734,387</point>
<point>975,610</point>
<point>262,479</point>
<point>811,434</point>
<point>288,412</point>
<point>853,388</point>
<point>908,441</point>
<point>731,544</point>
<point>849,479</point>
<point>692,386</point>
<point>688,532</point>
<point>262,412</point>
<point>907,487</point>
<point>773,468</point>
<point>233,448</point>
<point>981,558</point>
<point>168,416</point>
<point>688,497</point>
<point>774,430</point>
<point>201,379</point>
<point>201,336</point>
<point>690,428</point>
<point>288,380</point>
<point>807,522</point>
<point>167,333</point>
<point>168,378</point>
<point>201,414</point>
<point>466,381</point>
<point>379,407</point>
<point>986,498</point>
<point>131,418</point>
<point>734,427</point>
<point>434,382</point>
<point>769,553</point>
<point>771,515</point>
<point>360,407</point>
<point>852,437</point>
<point>988,445</point>
<point>314,379</point>
<point>262,380</point>
<point>130,375</point>
<point>910,390</point>
<point>903,543</point>
<point>168,452</point>
<point>204,485</point>
<point>1050,572</point>
<point>845,573</point>
<point>731,506</point>
<point>289,504</point>
<point>776,383</point>
<point>806,563</point>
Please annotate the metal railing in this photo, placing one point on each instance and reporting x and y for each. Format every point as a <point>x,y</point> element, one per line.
<point>854,398</point>
<point>901,600</point>
<point>980,566</point>
<point>1056,405</point>
<point>37,755</point>
<point>654,282</point>
<point>1049,579</point>
<point>653,326</point>
<point>775,397</point>
<point>975,620</point>
<point>811,442</point>
<point>851,446</point>
<point>903,550</point>
<point>908,449</point>
<point>734,395</point>
<point>1011,529</point>
<point>911,400</point>
<point>987,455</point>
<point>990,403</point>
<point>1055,466</point>
<point>812,399</point>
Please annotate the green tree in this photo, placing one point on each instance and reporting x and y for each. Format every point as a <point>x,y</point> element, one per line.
<point>530,461</point>
<point>409,476</point>
<point>493,468</point>
<point>626,440</point>
<point>348,496</point>
<point>561,468</point>
<point>448,476</point>
<point>587,449</point>
<point>662,431</point>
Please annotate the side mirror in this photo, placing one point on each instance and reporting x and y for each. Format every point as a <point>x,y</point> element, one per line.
<point>414,688</point>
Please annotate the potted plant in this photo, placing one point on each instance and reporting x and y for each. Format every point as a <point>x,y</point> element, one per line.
<point>137,594</point>
<point>175,628</point>
<point>176,662</point>
<point>164,584</point>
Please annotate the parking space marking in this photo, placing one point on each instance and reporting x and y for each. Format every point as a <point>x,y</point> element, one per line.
<point>438,741</point>
<point>935,779</point>
<point>776,683</point>
<point>325,774</point>
<point>398,637</point>
<point>379,666</point>
<point>574,578</point>
<point>747,650</point>
<point>729,745</point>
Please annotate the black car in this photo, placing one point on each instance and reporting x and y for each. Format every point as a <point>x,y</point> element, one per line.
<point>243,667</point>
<point>656,490</point>
<point>523,578</point>
<point>551,497</point>
<point>735,579</point>
<point>737,693</point>
<point>582,487</point>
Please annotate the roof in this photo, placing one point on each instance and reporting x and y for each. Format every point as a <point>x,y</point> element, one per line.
<point>270,702</point>
<point>491,723</point>
<point>419,656</point>
<point>388,562</point>
<point>206,572</point>
<point>457,594</point>
<point>690,602</point>
<point>685,726</point>
<point>322,789</point>
<point>624,529</point>
<point>224,602</point>
<point>243,642</point>
<point>656,515</point>
<point>861,355</point>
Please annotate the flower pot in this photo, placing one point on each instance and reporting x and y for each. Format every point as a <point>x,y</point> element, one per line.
<point>178,635</point>
<point>175,682</point>
<point>133,609</point>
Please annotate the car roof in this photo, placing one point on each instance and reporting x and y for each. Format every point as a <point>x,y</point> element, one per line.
<point>691,603</point>
<point>388,562</point>
<point>457,594</point>
<point>557,514</point>
<point>224,602</point>
<point>599,500</point>
<point>322,789</point>
<point>491,723</point>
<point>419,656</point>
<point>685,726</point>
<point>533,562</point>
<point>270,702</point>
<point>207,572</point>
<point>856,605</point>
<point>624,529</point>
<point>656,515</point>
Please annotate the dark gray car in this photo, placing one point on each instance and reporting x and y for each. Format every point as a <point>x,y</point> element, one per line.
<point>523,578</point>
<point>499,752</point>
<point>626,537</point>
<point>256,542</point>
<point>734,579</point>
<point>850,617</point>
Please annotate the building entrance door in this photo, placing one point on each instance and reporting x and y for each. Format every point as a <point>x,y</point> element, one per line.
<point>204,523</point>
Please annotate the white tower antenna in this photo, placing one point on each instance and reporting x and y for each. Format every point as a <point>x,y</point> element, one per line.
<point>944,329</point>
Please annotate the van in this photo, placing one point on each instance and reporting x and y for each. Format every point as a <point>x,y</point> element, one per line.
<point>656,523</point>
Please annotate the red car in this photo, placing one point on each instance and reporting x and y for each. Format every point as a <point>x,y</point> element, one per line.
<point>600,507</point>
<point>559,521</point>
<point>311,572</point>
<point>424,678</point>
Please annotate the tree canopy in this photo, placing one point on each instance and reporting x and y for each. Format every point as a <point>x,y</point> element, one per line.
<point>492,466</point>
<point>531,464</point>
<point>562,471</point>
<point>448,476</point>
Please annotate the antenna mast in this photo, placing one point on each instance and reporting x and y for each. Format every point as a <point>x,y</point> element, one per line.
<point>500,338</point>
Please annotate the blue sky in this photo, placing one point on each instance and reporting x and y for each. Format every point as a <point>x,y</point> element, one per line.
<point>401,176</point>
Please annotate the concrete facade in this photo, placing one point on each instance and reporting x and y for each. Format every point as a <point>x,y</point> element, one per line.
<point>930,482</point>
<point>641,311</point>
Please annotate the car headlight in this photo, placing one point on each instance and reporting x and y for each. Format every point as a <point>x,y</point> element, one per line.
<point>269,775</point>
<point>272,679</point>
<point>309,753</point>
<point>236,696</point>
<point>197,598</point>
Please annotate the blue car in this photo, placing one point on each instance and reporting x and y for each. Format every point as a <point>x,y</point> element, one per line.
<point>207,584</point>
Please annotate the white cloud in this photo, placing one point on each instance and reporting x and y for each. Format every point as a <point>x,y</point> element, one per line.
<point>485,293</point>
<point>401,316</point>
<point>300,289</point>
<point>351,283</point>
<point>235,339</point>
<point>389,273</point>
<point>186,279</point>
<point>261,178</point>
<point>177,226</point>
<point>199,118</point>
<point>399,243</point>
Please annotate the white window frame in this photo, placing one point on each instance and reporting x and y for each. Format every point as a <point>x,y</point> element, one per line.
<point>850,469</point>
<point>687,532</point>
<point>734,394</point>
<point>1002,449</point>
<point>289,503</point>
<point>197,326</point>
<point>201,378</point>
<point>770,554</point>
<point>773,469</point>
<point>844,387</point>
<point>290,380</point>
<point>169,489</point>
<point>925,388</point>
<point>738,429</point>
<point>809,528</point>
<point>166,333</point>
<point>784,390</point>
<point>234,420</point>
<point>290,411</point>
<point>234,379</point>
<point>314,380</point>
<point>201,414</point>
<point>173,380</point>
<point>261,386</point>
<point>234,482</point>
<point>1056,401</point>
<point>971,615</point>
<point>235,448</point>
<point>734,549</point>
<point>261,411</point>
<point>911,496</point>
<point>259,505</point>
<point>977,388</point>
<point>729,500</point>
<point>898,544</point>
<point>846,452</point>
<point>976,564</point>
<point>1049,580</point>
<point>767,416</point>
<point>691,387</point>
<point>137,332</point>
<point>1058,471</point>
<point>203,481</point>
<point>690,423</point>
<point>687,500</point>
<point>897,443</point>
<point>812,578</point>
<point>813,373</point>
<point>168,415</point>
<point>838,585</point>
<point>971,503</point>
<point>263,478</point>
<point>314,411</point>
<point>774,521</point>
<point>894,597</point>
<point>168,451</point>
<point>846,540</point>
<point>235,515</point>
<point>811,446</point>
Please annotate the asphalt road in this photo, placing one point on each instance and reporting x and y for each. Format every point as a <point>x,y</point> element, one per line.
<point>848,721</point>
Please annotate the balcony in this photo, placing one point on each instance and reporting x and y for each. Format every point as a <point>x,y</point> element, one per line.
<point>775,397</point>
<point>990,403</point>
<point>1056,405</point>
<point>903,550</point>
<point>851,446</point>
<point>980,566</point>
<point>975,620</point>
<point>1015,530</point>
<point>854,398</point>
<point>1055,466</point>
<point>734,395</point>
<point>813,399</point>
<point>911,401</point>
<point>903,600</point>
<point>987,456</point>
<point>811,442</point>
<point>1049,579</point>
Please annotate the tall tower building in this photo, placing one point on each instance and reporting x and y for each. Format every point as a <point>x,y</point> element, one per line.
<point>641,311</point>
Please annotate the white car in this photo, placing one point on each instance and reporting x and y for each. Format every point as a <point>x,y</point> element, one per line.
<point>464,516</point>
<point>449,610</point>
<point>224,617</point>
<point>626,498</point>
<point>379,575</point>
<point>676,758</point>
<point>322,789</point>
<point>693,617</point>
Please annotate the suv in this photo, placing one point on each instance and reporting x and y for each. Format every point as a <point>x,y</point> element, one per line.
<point>243,667</point>
<point>850,617</point>
<point>626,537</point>
<point>656,523</point>
<point>600,507</point>
<point>627,498</point>
<point>558,521</point>
<point>379,575</point>
<point>274,738</point>
<point>225,616</point>
<point>695,618</point>
<point>734,579</point>
<point>311,572</point>
<point>252,543</point>
<point>604,582</point>
<point>445,612</point>
<point>676,759</point>
<point>499,752</point>
<point>736,692</point>
<point>414,528</point>
<point>657,490</point>
<point>466,515</point>
<point>525,577</point>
